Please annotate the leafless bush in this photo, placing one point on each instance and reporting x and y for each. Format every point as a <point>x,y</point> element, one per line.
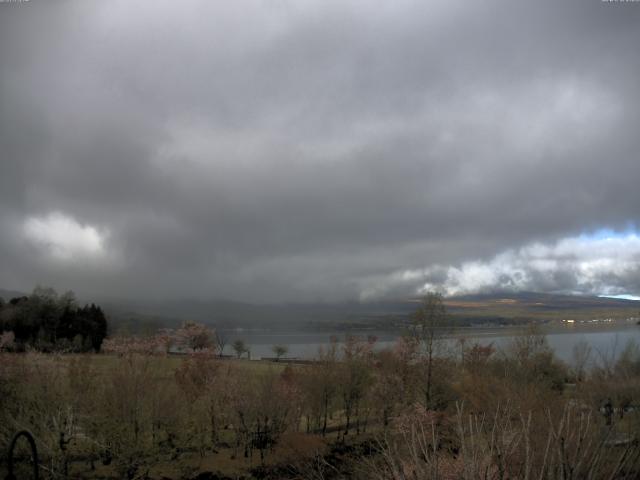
<point>571,444</point>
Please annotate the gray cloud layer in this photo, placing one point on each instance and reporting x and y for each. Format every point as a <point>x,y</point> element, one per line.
<point>275,150</point>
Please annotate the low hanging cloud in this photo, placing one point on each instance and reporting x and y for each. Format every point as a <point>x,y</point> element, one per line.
<point>602,264</point>
<point>62,238</point>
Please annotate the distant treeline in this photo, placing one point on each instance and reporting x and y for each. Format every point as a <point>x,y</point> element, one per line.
<point>50,322</point>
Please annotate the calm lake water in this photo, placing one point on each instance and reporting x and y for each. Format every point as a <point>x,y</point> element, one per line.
<point>605,341</point>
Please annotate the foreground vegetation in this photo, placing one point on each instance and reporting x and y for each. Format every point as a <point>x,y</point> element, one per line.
<point>414,411</point>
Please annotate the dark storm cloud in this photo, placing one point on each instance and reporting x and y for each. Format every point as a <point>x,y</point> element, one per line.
<point>314,150</point>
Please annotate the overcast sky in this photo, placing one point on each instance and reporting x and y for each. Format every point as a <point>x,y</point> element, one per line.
<point>319,150</point>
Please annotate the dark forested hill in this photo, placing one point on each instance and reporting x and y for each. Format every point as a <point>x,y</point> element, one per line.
<point>495,308</point>
<point>498,308</point>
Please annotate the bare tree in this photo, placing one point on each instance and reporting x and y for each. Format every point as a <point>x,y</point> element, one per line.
<point>581,357</point>
<point>240,347</point>
<point>221,342</point>
<point>279,351</point>
<point>320,385</point>
<point>430,320</point>
<point>355,376</point>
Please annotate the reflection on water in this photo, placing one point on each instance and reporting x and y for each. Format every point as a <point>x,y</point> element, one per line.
<point>607,343</point>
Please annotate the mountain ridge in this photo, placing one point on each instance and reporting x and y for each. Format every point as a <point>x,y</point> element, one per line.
<point>482,308</point>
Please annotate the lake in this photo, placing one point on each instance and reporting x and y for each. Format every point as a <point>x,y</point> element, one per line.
<point>605,341</point>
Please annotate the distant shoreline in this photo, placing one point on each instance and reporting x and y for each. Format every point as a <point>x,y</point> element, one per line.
<point>552,327</point>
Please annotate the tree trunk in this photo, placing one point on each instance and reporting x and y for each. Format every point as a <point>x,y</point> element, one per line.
<point>326,411</point>
<point>429,370</point>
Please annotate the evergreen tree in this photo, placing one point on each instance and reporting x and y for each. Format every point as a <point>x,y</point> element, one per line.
<point>48,322</point>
